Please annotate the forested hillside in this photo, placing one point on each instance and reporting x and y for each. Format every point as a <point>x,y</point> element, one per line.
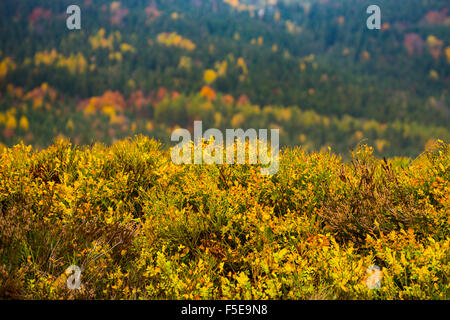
<point>310,68</point>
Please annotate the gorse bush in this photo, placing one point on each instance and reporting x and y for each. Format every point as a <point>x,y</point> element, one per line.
<point>309,68</point>
<point>141,227</point>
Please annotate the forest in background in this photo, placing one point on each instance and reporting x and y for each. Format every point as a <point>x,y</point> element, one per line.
<point>310,68</point>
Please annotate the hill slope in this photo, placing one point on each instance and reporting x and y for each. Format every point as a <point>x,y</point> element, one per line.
<point>388,86</point>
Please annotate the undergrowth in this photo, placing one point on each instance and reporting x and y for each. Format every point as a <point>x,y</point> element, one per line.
<point>141,227</point>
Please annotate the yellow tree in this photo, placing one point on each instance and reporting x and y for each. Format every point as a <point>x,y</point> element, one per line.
<point>210,76</point>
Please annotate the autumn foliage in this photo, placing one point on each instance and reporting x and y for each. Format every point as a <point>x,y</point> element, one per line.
<point>142,227</point>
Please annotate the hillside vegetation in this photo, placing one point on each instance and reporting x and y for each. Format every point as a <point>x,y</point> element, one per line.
<point>141,227</point>
<point>310,68</point>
